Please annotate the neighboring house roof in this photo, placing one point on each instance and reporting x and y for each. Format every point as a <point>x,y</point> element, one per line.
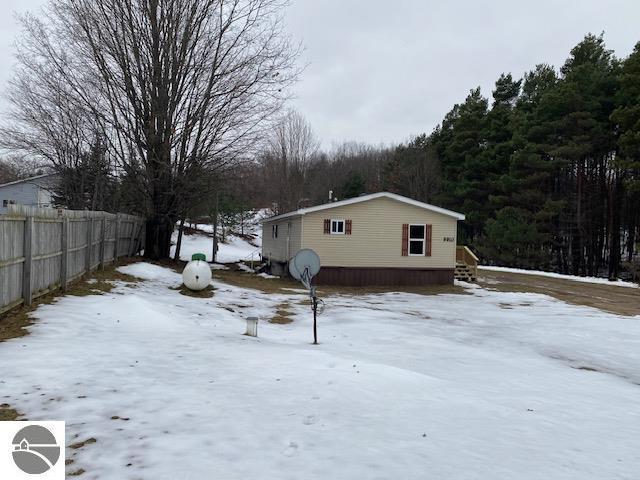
<point>365,198</point>
<point>29,180</point>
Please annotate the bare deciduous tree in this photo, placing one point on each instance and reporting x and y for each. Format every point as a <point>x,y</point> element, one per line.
<point>14,167</point>
<point>291,148</point>
<point>47,125</point>
<point>177,86</point>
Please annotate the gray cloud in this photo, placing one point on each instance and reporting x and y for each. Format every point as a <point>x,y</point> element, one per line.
<point>380,71</point>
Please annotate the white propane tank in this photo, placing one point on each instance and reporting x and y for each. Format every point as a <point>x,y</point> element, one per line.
<point>197,273</point>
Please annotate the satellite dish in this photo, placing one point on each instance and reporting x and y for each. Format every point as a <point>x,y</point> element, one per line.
<point>292,270</point>
<point>307,262</point>
<point>304,266</point>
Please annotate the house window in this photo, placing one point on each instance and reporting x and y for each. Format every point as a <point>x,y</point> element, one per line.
<point>416,239</point>
<point>6,203</point>
<point>274,231</point>
<point>337,227</point>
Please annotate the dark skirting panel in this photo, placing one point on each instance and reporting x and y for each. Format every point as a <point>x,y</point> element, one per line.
<point>366,276</point>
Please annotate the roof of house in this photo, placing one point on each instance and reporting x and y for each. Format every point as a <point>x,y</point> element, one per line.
<point>365,198</point>
<point>28,180</point>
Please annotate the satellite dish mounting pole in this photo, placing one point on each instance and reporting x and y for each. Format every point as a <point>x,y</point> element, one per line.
<point>303,267</point>
<point>314,300</point>
<point>306,281</point>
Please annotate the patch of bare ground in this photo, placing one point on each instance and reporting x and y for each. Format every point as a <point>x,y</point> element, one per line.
<point>176,265</point>
<point>609,298</point>
<point>282,316</point>
<point>235,276</point>
<point>8,414</point>
<point>83,443</point>
<point>71,461</point>
<point>74,473</point>
<point>204,293</point>
<point>240,278</point>
<point>418,290</point>
<point>14,323</point>
<point>100,282</point>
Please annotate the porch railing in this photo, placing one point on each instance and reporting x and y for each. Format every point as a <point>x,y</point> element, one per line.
<point>466,256</point>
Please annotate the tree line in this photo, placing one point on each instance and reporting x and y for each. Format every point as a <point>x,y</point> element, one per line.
<point>547,170</point>
<point>176,110</point>
<point>549,173</point>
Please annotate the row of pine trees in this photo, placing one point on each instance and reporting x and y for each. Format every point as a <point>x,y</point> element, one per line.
<point>548,170</point>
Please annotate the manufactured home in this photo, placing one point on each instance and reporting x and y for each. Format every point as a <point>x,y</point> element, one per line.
<point>377,239</point>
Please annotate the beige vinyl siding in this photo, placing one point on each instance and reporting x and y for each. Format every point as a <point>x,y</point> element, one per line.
<point>376,239</point>
<point>288,242</point>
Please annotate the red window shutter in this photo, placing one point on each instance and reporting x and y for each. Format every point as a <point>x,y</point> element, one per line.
<point>347,227</point>
<point>327,225</point>
<point>427,240</point>
<point>405,239</point>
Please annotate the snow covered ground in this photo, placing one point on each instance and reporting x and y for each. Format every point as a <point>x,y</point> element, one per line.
<point>603,281</point>
<point>487,385</point>
<point>235,249</point>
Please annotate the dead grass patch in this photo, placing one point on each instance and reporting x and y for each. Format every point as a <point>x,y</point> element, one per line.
<point>84,443</point>
<point>282,316</point>
<point>609,298</point>
<point>242,279</point>
<point>14,323</point>
<point>368,290</point>
<point>8,414</point>
<point>175,265</point>
<point>100,282</point>
<point>235,276</point>
<point>204,293</point>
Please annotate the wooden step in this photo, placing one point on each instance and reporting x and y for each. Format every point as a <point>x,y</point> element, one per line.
<point>463,272</point>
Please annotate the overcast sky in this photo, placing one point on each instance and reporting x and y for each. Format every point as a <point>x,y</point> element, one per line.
<point>380,71</point>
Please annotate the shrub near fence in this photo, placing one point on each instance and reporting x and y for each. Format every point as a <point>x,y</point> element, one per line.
<point>42,250</point>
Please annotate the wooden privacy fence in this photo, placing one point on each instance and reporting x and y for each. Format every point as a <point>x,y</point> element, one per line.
<point>45,249</point>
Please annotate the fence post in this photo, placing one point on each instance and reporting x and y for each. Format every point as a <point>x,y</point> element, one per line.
<point>117,238</point>
<point>65,253</point>
<point>133,234</point>
<point>89,224</point>
<point>130,249</point>
<point>103,238</point>
<point>135,231</point>
<point>132,237</point>
<point>139,244</point>
<point>27,294</point>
